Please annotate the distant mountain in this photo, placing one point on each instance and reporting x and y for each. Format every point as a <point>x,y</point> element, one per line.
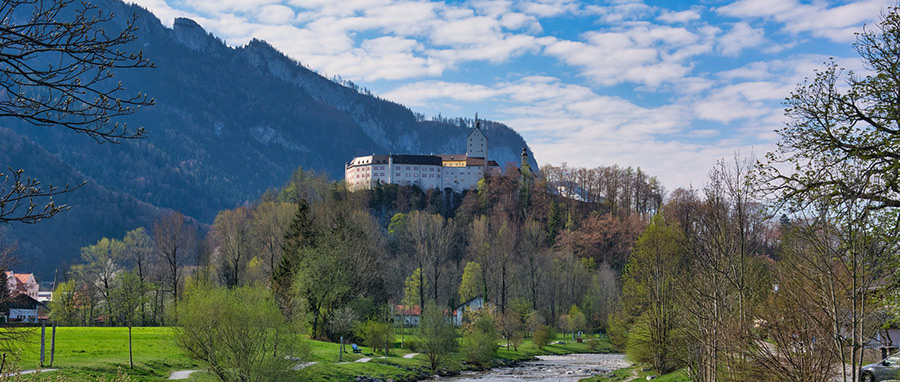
<point>95,210</point>
<point>228,124</point>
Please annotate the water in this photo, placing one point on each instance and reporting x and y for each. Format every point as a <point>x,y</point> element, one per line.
<point>551,368</point>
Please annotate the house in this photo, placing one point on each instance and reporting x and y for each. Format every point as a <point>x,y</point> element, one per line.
<point>406,316</point>
<point>27,309</point>
<point>22,283</point>
<point>454,171</point>
<point>474,303</point>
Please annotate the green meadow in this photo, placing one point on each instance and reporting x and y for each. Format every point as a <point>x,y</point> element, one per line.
<point>89,353</point>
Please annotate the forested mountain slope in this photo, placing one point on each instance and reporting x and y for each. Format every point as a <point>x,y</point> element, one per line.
<point>228,124</point>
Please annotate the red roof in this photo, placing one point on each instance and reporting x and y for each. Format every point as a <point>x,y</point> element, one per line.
<point>415,310</point>
<point>24,278</point>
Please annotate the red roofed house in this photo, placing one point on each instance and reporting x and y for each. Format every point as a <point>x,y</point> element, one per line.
<point>22,283</point>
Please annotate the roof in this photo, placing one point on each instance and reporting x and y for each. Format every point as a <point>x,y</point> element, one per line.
<point>469,301</point>
<point>477,128</point>
<point>453,157</point>
<point>475,162</point>
<point>24,278</point>
<point>433,160</point>
<point>414,310</point>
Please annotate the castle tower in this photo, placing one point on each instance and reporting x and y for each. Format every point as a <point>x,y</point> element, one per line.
<point>476,142</point>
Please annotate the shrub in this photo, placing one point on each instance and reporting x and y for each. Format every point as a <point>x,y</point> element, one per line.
<point>376,335</point>
<point>437,337</point>
<point>480,339</point>
<point>541,336</point>
<point>239,334</point>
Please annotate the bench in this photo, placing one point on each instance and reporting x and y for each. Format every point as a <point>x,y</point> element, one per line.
<point>355,348</point>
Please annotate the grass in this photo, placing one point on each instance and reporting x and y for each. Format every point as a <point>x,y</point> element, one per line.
<point>89,353</point>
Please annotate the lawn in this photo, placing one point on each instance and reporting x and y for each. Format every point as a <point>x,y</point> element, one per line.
<point>89,353</point>
<point>86,353</point>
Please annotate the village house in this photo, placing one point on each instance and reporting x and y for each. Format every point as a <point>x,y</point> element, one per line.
<point>22,283</point>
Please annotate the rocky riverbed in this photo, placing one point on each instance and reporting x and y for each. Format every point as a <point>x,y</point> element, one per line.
<point>551,368</point>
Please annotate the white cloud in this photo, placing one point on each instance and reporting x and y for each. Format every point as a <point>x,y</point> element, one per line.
<point>275,14</point>
<point>836,23</point>
<point>681,17</point>
<point>740,36</point>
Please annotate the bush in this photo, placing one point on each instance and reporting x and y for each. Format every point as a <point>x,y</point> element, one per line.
<point>437,337</point>
<point>541,336</point>
<point>413,344</point>
<point>376,335</point>
<point>239,334</point>
<point>480,339</point>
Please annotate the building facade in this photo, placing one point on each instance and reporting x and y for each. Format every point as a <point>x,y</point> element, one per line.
<point>454,171</point>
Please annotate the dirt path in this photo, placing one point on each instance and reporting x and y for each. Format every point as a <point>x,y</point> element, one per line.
<point>26,372</point>
<point>182,374</point>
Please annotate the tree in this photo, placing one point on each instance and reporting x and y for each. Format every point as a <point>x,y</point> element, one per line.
<point>56,68</point>
<point>471,285</point>
<point>139,250</point>
<point>127,298</point>
<point>412,289</point>
<point>437,336</point>
<point>175,242</point>
<point>63,306</point>
<point>231,239</point>
<point>376,334</point>
<point>103,262</point>
<point>510,327</point>
<point>648,296</point>
<point>432,238</point>
<point>270,223</point>
<point>575,320</point>
<point>832,124</point>
<point>479,342</point>
<point>239,333</point>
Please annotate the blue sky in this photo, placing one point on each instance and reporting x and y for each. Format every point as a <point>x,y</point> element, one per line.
<point>667,86</point>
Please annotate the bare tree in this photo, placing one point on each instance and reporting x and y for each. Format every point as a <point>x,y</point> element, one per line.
<point>432,237</point>
<point>139,250</point>
<point>270,222</point>
<point>175,241</point>
<point>56,65</point>
<point>231,241</point>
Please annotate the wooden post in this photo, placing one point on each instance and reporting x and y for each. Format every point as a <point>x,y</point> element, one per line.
<point>130,357</point>
<point>43,335</point>
<point>52,343</point>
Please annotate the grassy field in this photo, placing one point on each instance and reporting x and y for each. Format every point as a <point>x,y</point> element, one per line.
<point>89,353</point>
<point>86,353</point>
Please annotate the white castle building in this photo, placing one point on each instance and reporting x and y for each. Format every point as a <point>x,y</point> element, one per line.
<point>456,172</point>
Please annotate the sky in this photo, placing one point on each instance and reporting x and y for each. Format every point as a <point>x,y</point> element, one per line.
<point>667,86</point>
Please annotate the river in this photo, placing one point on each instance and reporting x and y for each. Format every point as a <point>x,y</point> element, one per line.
<point>550,368</point>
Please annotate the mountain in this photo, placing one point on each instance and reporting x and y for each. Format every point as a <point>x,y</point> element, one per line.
<point>228,124</point>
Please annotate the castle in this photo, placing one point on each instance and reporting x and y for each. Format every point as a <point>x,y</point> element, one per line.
<point>454,171</point>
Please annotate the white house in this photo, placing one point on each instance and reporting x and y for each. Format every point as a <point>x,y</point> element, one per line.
<point>454,171</point>
<point>24,308</point>
<point>473,304</point>
<point>22,283</point>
